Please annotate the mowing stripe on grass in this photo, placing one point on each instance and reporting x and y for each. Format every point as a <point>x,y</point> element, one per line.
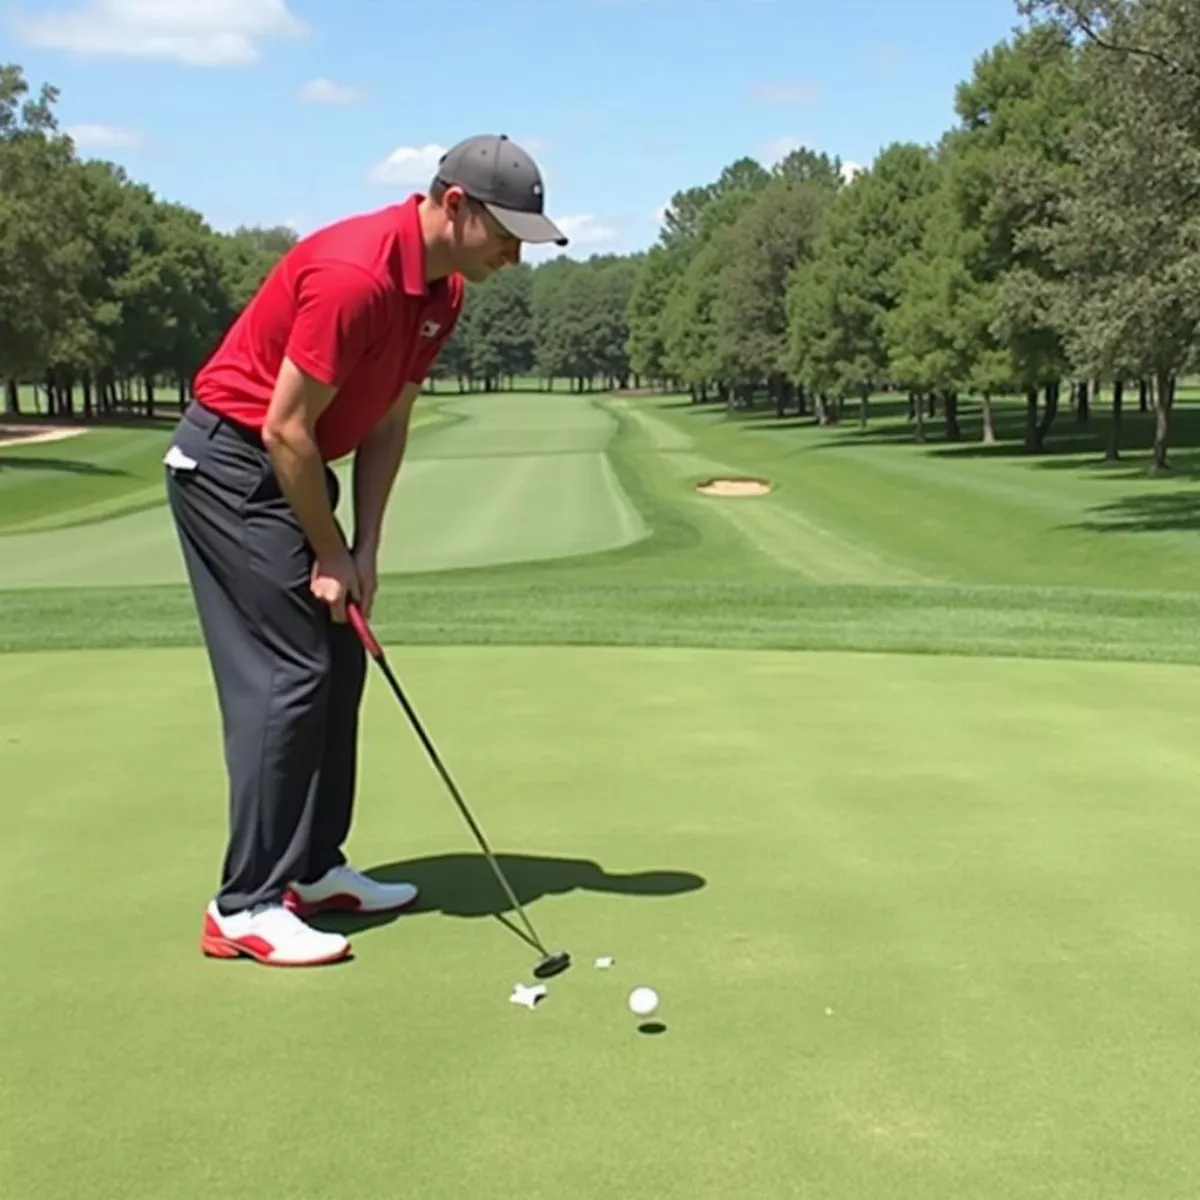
<point>768,524</point>
<point>468,496</point>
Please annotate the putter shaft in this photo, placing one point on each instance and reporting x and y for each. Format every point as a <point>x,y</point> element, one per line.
<point>374,649</point>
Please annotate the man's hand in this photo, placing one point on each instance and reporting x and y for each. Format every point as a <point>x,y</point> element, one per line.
<point>335,579</point>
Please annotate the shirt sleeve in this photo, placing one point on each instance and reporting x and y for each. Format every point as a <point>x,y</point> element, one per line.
<point>430,349</point>
<point>338,306</point>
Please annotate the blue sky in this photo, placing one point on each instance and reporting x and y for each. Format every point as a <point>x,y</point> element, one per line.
<point>302,111</point>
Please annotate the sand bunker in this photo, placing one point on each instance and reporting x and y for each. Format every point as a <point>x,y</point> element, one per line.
<point>26,435</point>
<point>734,487</point>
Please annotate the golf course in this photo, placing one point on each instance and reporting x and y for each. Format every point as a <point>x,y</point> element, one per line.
<point>884,779</point>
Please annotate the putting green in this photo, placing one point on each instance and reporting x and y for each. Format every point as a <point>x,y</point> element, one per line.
<point>522,477</point>
<point>941,938</point>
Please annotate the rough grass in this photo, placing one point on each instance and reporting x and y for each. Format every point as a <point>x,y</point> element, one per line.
<point>866,542</point>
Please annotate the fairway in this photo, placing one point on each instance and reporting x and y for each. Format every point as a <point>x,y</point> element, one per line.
<point>887,970</point>
<point>510,478</point>
<point>922,924</point>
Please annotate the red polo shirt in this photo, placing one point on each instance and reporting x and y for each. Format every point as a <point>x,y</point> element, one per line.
<point>349,305</point>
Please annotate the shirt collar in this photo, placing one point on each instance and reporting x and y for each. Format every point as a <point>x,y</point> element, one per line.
<point>412,248</point>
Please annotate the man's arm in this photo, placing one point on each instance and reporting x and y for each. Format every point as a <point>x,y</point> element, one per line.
<point>288,434</point>
<point>376,464</point>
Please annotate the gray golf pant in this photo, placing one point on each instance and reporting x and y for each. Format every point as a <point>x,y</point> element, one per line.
<point>289,680</point>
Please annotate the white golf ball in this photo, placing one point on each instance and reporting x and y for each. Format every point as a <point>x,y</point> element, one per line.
<point>643,1001</point>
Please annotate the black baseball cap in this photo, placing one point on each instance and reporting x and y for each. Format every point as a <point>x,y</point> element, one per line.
<point>506,181</point>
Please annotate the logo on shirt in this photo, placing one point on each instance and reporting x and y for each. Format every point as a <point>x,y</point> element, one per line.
<point>430,329</point>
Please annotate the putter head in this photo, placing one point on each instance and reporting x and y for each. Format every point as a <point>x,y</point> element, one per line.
<point>552,964</point>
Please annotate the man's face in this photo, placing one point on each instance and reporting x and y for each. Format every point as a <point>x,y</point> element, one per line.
<point>482,245</point>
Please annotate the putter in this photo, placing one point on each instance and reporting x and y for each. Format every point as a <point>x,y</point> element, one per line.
<point>550,964</point>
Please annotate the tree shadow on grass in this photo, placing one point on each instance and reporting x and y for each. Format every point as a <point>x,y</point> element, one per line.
<point>464,885</point>
<point>1149,512</point>
<point>70,466</point>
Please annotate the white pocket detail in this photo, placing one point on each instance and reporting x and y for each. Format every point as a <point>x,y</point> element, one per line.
<point>178,461</point>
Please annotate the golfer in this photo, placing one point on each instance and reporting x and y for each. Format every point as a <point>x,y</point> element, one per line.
<point>326,360</point>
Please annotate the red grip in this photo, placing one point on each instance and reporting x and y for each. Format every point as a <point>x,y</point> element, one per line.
<point>363,630</point>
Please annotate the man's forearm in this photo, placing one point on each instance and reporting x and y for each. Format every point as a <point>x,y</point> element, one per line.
<point>376,465</point>
<point>301,474</point>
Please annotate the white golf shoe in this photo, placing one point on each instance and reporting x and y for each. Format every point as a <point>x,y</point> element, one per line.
<point>344,889</point>
<point>270,934</point>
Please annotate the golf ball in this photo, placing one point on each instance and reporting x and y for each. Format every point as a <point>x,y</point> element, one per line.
<point>643,1001</point>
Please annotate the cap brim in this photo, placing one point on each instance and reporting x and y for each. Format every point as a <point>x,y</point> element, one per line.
<point>529,227</point>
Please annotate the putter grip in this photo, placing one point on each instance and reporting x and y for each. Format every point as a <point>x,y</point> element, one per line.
<point>354,613</point>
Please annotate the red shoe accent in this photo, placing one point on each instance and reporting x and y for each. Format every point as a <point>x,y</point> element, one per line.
<point>338,902</point>
<point>215,945</point>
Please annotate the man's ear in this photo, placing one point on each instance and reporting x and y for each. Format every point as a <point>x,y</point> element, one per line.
<point>454,201</point>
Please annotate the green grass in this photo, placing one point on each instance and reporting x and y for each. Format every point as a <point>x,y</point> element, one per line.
<point>101,473</point>
<point>866,543</point>
<point>986,870</point>
<point>919,900</point>
<point>96,475</point>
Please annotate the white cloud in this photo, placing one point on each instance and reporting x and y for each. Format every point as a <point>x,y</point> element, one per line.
<point>850,169</point>
<point>408,166</point>
<point>325,91</point>
<point>105,137</point>
<point>198,33</point>
<point>585,230</point>
<point>776,151</point>
<point>660,213</point>
<point>588,236</point>
<point>784,93</point>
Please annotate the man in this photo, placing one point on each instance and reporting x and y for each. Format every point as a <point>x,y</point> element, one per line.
<point>327,359</point>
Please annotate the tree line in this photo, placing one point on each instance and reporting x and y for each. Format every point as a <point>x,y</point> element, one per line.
<point>1050,239</point>
<point>109,293</point>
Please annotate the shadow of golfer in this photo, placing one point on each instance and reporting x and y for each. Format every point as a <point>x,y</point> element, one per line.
<point>464,885</point>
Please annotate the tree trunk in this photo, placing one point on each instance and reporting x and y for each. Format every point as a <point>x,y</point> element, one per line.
<point>1031,418</point>
<point>88,409</point>
<point>13,398</point>
<point>1043,430</point>
<point>953,431</point>
<point>932,404</point>
<point>1113,453</point>
<point>989,421</point>
<point>1143,395</point>
<point>779,396</point>
<point>864,405</point>
<point>917,409</point>
<point>1083,403</point>
<point>1164,399</point>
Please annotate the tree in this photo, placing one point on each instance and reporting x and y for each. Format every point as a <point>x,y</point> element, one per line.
<point>1126,237</point>
<point>43,252</point>
<point>872,227</point>
<point>764,245</point>
<point>656,275</point>
<point>501,338</point>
